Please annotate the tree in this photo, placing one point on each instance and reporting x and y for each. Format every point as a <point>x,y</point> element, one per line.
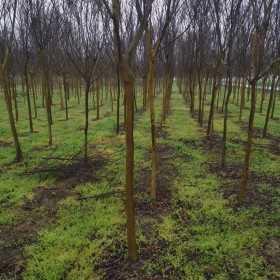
<point>83,44</point>
<point>153,48</point>
<point>261,13</point>
<point>232,18</point>
<point>123,56</point>
<point>7,24</point>
<point>44,27</point>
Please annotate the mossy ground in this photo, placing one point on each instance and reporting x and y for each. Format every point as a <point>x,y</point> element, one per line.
<point>197,232</point>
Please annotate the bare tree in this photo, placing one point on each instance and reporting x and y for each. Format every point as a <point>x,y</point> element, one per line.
<point>7,27</point>
<point>153,46</point>
<point>261,13</point>
<point>123,56</point>
<point>83,46</point>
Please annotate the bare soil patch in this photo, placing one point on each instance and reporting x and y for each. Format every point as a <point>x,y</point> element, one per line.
<point>5,144</point>
<point>147,213</point>
<point>41,210</point>
<point>212,142</point>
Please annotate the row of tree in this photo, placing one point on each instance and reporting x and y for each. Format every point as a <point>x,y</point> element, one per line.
<point>107,48</point>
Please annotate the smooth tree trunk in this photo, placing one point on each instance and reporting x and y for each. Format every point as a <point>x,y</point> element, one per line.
<point>3,78</point>
<point>263,94</point>
<point>249,143</point>
<point>212,105</point>
<point>228,93</point>
<point>14,97</point>
<point>33,95</point>
<point>46,95</point>
<point>242,101</point>
<point>274,98</point>
<point>27,87</point>
<point>129,125</point>
<point>65,87</point>
<point>86,120</point>
<point>270,103</point>
<point>97,98</point>
<point>118,99</point>
<point>153,125</point>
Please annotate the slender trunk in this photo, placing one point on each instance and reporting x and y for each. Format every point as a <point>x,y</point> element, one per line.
<point>212,106</point>
<point>203,101</point>
<point>263,94</point>
<point>226,102</point>
<point>199,97</point>
<point>86,120</point>
<point>14,96</point>
<point>224,95</point>
<point>61,96</point>
<point>28,100</point>
<point>97,98</point>
<point>274,98</point>
<point>118,100</point>
<point>144,92</point>
<point>48,104</point>
<point>19,156</point>
<point>249,143</point>
<point>191,88</point>
<point>153,126</point>
<point>242,102</point>
<point>129,203</point>
<point>269,106</point>
<point>65,87</point>
<point>33,96</point>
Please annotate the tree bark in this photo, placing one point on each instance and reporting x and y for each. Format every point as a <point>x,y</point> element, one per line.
<point>3,77</point>
<point>270,103</point>
<point>28,99</point>
<point>153,125</point>
<point>129,97</point>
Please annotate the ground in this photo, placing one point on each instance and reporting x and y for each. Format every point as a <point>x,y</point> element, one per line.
<point>63,218</point>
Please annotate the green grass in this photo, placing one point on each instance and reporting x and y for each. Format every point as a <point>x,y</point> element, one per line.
<point>212,240</point>
<point>204,236</point>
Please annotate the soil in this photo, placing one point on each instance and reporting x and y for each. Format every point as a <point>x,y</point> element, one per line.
<point>4,144</point>
<point>15,238</point>
<point>231,177</point>
<point>115,265</point>
<point>272,250</point>
<point>212,142</point>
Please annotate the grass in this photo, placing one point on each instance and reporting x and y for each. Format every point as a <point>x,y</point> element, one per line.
<point>202,235</point>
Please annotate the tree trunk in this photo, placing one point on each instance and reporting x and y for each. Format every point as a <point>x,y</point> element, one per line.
<point>28,100</point>
<point>14,96</point>
<point>33,95</point>
<point>118,100</point>
<point>212,106</point>
<point>65,87</point>
<point>242,102</point>
<point>97,98</point>
<point>249,143</point>
<point>153,126</point>
<point>226,102</point>
<point>129,123</point>
<point>274,98</point>
<point>19,156</point>
<point>269,106</point>
<point>86,120</point>
<point>263,94</point>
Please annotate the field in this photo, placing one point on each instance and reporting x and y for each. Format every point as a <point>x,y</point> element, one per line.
<point>63,219</point>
